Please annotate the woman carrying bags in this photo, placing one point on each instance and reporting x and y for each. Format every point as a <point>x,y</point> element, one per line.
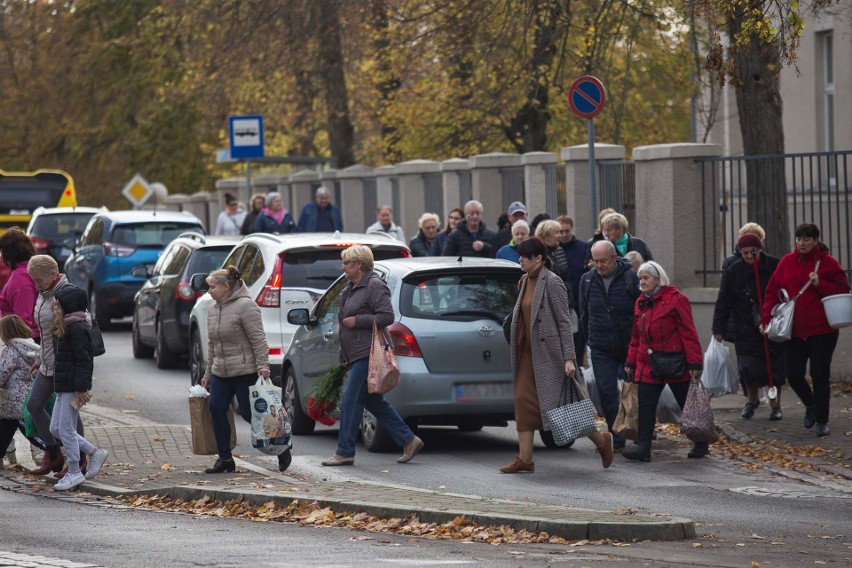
<point>542,351</point>
<point>663,330</point>
<point>813,339</point>
<point>238,354</point>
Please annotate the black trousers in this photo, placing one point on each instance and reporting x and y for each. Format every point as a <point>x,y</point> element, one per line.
<point>819,349</point>
<point>8,426</point>
<point>649,396</point>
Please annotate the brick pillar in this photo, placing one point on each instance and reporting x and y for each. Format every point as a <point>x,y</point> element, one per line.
<point>535,182</point>
<point>450,176</point>
<point>488,183</point>
<point>352,196</point>
<point>412,193</point>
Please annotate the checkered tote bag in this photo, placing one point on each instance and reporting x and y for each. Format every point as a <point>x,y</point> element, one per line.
<point>575,416</point>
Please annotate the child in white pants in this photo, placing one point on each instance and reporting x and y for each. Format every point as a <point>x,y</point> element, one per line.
<point>72,378</point>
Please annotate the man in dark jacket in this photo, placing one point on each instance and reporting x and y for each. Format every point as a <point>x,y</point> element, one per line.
<point>575,254</point>
<point>471,237</point>
<point>608,295</point>
<point>320,215</point>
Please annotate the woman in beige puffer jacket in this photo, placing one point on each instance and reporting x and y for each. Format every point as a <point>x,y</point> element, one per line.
<point>237,354</point>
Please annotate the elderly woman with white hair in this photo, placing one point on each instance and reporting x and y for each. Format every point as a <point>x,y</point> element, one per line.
<point>663,329</point>
<point>520,233</point>
<point>421,243</point>
<point>274,218</point>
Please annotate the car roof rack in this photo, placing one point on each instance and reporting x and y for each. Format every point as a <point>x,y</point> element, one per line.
<point>192,235</point>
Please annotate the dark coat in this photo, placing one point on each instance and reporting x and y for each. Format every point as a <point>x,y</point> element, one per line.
<point>310,213</point>
<point>560,268</point>
<point>633,244</point>
<point>419,246</point>
<point>439,244</point>
<point>609,332</point>
<point>502,238</point>
<point>663,323</point>
<point>460,242</point>
<point>250,222</point>
<point>369,301</point>
<point>575,254</point>
<point>73,355</point>
<point>266,223</point>
<point>736,315</point>
<point>550,337</point>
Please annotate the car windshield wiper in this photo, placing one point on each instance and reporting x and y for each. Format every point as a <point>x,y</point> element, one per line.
<point>482,313</point>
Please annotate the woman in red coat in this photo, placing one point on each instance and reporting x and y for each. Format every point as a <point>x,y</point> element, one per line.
<point>812,338</point>
<point>662,323</point>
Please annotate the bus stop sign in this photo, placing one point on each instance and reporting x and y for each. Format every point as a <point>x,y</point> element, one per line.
<point>587,97</point>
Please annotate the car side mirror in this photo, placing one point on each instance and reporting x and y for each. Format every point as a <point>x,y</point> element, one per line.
<point>198,282</point>
<point>300,316</point>
<point>143,271</point>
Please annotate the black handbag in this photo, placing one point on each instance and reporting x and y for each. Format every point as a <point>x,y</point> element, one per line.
<point>668,364</point>
<point>98,347</point>
<point>507,327</point>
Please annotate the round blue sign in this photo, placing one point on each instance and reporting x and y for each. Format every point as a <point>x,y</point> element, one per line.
<point>587,96</point>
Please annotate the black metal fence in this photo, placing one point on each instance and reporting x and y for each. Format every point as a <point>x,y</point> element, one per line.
<point>465,187</point>
<point>513,185</point>
<point>817,191</point>
<point>434,194</point>
<point>371,201</point>
<point>617,189</point>
<point>555,190</point>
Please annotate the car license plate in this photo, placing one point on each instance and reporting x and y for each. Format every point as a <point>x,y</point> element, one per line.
<point>470,392</point>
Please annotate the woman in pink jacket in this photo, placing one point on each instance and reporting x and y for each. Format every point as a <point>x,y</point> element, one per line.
<point>19,295</point>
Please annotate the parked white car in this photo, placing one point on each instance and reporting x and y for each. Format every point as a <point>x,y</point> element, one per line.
<point>281,272</point>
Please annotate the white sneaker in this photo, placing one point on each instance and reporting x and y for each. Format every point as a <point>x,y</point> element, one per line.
<point>70,481</point>
<point>96,462</point>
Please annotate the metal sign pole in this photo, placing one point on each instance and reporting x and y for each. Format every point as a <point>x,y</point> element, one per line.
<point>248,185</point>
<point>593,194</point>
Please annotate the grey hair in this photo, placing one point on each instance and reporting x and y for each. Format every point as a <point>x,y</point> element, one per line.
<point>322,190</point>
<point>42,266</point>
<point>656,271</point>
<point>272,195</point>
<point>472,203</point>
<point>520,223</point>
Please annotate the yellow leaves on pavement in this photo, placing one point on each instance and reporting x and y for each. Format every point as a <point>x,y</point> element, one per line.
<point>460,528</point>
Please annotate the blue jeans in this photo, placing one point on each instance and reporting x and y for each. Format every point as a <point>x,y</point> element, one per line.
<point>608,368</point>
<point>355,399</point>
<point>221,392</point>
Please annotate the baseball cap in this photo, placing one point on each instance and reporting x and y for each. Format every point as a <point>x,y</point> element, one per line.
<point>516,207</point>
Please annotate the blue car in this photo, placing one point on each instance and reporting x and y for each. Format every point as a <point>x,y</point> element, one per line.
<point>113,255</point>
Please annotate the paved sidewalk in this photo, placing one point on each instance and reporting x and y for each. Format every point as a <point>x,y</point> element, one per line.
<point>149,459</point>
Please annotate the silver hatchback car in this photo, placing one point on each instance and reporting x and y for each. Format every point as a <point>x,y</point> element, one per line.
<point>447,336</point>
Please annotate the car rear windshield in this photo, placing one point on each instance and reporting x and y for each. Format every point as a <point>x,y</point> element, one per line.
<point>460,296</point>
<point>154,234</point>
<point>56,228</point>
<point>207,259</point>
<point>319,268</point>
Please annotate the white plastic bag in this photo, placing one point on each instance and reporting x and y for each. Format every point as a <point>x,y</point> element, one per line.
<point>591,385</point>
<point>720,374</point>
<point>270,431</point>
<point>668,410</point>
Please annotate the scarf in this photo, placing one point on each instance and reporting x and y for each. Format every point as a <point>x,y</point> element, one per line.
<point>277,216</point>
<point>621,244</point>
<point>648,299</point>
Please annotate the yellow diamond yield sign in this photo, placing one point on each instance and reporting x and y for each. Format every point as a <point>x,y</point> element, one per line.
<point>137,191</point>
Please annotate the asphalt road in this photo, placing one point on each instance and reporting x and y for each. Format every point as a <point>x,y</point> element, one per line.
<point>742,515</point>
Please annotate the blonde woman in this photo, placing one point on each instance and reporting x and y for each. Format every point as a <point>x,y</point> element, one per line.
<point>421,244</point>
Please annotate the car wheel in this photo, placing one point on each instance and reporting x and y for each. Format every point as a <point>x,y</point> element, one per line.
<point>197,366</point>
<point>376,438</point>
<point>547,438</point>
<point>300,422</point>
<point>140,350</point>
<point>165,357</point>
<point>99,311</point>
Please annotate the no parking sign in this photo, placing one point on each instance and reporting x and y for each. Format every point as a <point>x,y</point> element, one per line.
<point>587,97</point>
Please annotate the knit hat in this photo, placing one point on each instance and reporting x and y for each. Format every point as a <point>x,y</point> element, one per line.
<point>749,240</point>
<point>72,299</point>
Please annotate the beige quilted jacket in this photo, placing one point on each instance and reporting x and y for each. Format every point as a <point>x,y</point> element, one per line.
<point>236,340</point>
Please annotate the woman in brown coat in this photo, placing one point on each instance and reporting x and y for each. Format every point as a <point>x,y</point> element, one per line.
<point>542,350</point>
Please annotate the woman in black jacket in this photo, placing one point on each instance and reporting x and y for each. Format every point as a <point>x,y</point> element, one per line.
<point>737,317</point>
<point>421,244</point>
<point>72,378</point>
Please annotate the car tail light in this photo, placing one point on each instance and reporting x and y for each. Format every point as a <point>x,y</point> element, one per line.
<point>404,342</point>
<point>270,295</point>
<point>117,250</point>
<point>185,292</point>
<point>40,245</point>
<point>275,351</point>
<point>405,253</point>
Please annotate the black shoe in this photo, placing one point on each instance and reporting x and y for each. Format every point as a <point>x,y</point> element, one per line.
<point>748,410</point>
<point>776,414</point>
<point>284,460</point>
<point>618,442</point>
<point>699,450</point>
<point>810,418</point>
<point>222,466</point>
<point>640,451</point>
<point>823,429</point>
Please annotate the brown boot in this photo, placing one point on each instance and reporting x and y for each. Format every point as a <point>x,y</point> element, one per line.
<point>53,461</point>
<point>605,450</point>
<point>519,466</point>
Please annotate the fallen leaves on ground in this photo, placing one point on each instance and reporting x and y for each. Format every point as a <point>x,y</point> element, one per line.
<point>311,513</point>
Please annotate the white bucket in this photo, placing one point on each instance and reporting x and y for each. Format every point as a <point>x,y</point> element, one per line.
<point>838,310</point>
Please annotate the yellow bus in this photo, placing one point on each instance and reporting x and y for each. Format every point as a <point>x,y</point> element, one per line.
<point>21,193</point>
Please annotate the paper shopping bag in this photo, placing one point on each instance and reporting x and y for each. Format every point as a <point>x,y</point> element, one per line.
<point>201,422</point>
<point>627,422</point>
